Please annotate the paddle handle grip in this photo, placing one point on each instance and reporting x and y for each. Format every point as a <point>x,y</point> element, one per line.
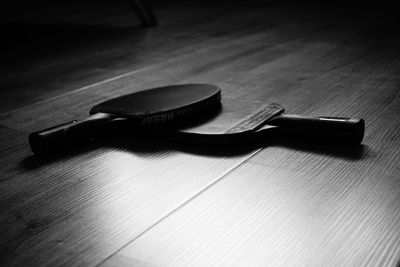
<point>60,137</point>
<point>350,130</point>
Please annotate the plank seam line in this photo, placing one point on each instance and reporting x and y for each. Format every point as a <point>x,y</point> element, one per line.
<point>79,89</point>
<point>180,206</point>
<point>91,85</point>
<point>52,65</point>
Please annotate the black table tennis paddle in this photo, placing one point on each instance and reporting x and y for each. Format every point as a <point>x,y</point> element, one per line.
<point>240,121</point>
<point>141,109</point>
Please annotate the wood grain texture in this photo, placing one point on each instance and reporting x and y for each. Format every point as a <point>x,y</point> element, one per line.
<point>111,45</point>
<point>136,201</point>
<point>260,215</point>
<point>100,205</point>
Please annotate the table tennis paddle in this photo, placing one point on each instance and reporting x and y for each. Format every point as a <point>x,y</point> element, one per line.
<point>240,121</point>
<point>141,109</point>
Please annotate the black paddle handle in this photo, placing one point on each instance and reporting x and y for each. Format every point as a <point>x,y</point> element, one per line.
<point>67,134</point>
<point>340,129</point>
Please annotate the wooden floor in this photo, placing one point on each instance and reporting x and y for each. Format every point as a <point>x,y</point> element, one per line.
<point>146,202</point>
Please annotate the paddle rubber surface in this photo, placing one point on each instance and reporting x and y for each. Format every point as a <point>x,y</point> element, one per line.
<point>162,103</point>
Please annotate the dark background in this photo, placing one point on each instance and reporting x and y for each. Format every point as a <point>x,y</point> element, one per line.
<point>38,34</point>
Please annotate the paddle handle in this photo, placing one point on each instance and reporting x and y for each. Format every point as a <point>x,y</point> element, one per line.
<point>65,135</point>
<point>350,130</point>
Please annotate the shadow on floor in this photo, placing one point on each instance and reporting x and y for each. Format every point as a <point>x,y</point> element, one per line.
<point>148,144</point>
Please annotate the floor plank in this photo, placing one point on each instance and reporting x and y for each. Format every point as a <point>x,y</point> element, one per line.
<point>116,47</point>
<point>262,215</point>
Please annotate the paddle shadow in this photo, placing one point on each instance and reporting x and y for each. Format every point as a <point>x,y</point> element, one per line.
<point>148,144</point>
<point>351,152</point>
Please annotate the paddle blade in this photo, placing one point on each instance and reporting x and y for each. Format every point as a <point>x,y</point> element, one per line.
<point>162,104</point>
